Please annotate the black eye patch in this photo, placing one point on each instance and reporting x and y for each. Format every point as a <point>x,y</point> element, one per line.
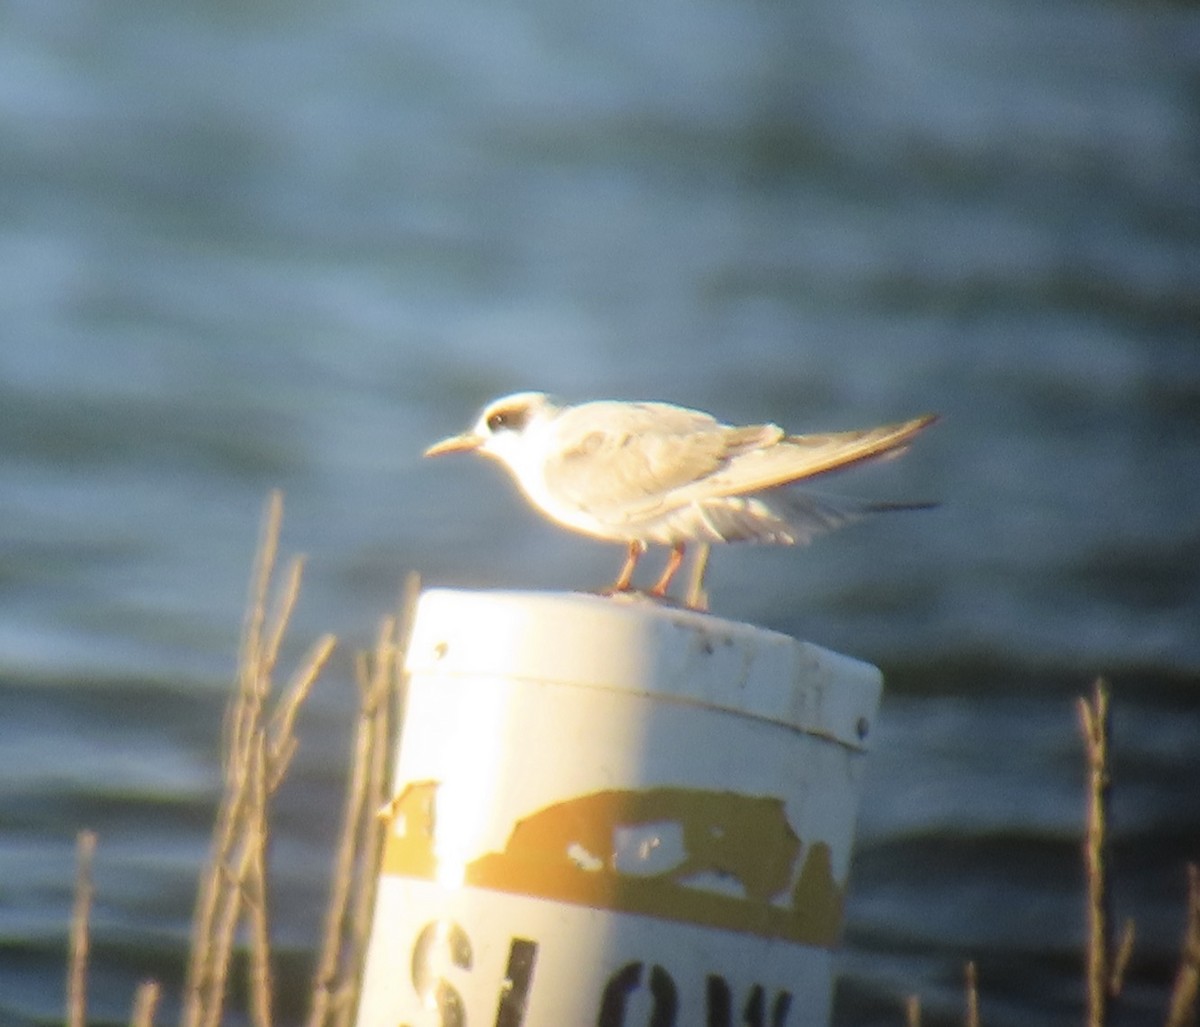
<point>512,419</point>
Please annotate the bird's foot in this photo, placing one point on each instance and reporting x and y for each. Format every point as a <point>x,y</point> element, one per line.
<point>613,591</point>
<point>631,594</point>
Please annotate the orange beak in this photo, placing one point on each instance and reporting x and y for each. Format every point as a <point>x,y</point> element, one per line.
<point>463,443</point>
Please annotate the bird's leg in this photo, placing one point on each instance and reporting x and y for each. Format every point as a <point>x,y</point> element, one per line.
<point>697,595</point>
<point>659,591</point>
<point>625,578</point>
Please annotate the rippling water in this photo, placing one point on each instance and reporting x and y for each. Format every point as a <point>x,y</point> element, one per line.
<point>288,246</point>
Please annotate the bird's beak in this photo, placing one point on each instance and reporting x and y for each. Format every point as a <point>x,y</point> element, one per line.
<point>463,443</point>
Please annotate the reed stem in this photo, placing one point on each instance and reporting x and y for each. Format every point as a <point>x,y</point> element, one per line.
<point>1187,980</point>
<point>1094,723</point>
<point>85,850</point>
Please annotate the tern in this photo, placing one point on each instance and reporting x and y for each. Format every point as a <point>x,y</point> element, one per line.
<point>641,473</point>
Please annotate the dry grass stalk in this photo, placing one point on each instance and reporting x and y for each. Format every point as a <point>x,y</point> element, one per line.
<point>144,1004</point>
<point>387,731</point>
<point>1106,969</point>
<point>370,838</point>
<point>356,865</point>
<point>1183,1011</point>
<point>326,984</point>
<point>213,896</point>
<point>256,901</point>
<point>259,745</point>
<point>972,989</point>
<point>1094,723</point>
<point>912,1011</point>
<point>1120,961</point>
<point>85,850</point>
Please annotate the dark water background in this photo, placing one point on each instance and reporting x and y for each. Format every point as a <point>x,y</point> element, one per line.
<point>247,246</point>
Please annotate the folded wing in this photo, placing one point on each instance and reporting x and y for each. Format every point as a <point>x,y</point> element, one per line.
<point>630,462</point>
<point>614,459</point>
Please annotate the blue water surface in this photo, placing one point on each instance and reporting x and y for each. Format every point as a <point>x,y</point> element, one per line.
<point>255,246</point>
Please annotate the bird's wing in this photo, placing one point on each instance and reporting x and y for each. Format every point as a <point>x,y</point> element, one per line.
<point>797,457</point>
<point>622,460</point>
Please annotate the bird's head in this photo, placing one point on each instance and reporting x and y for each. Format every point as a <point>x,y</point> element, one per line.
<point>501,428</point>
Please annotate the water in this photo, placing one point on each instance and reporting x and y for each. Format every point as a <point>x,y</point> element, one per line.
<point>248,247</point>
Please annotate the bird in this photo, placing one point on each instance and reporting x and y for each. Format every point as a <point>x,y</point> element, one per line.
<point>643,473</point>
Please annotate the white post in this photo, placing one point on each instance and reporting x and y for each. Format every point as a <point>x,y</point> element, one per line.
<point>611,812</point>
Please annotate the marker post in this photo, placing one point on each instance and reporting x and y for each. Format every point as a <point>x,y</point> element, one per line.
<point>613,812</point>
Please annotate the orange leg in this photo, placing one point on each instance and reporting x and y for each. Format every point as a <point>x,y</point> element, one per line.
<point>673,562</point>
<point>625,578</point>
